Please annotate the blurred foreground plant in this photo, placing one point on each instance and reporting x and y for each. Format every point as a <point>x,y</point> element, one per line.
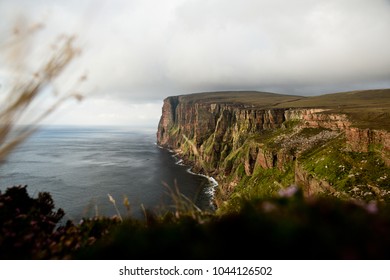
<point>24,89</point>
<point>285,227</point>
<point>182,205</point>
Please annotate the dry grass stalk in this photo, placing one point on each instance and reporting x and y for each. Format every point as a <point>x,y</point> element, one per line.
<point>126,203</point>
<point>112,200</point>
<point>21,94</point>
<point>181,203</point>
<point>144,212</point>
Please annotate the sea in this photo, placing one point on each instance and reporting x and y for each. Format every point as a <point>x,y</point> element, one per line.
<point>92,171</point>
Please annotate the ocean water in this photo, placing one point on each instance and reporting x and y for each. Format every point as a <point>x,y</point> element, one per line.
<point>81,166</point>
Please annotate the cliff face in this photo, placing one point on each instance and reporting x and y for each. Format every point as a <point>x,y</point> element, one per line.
<point>198,121</point>
<point>363,140</point>
<point>234,141</point>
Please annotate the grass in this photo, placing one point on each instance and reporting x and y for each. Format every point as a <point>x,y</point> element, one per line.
<point>353,99</point>
<point>276,228</point>
<point>359,175</point>
<point>285,226</point>
<point>262,184</point>
<point>309,132</point>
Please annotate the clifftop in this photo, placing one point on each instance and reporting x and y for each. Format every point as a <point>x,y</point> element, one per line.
<point>350,99</point>
<point>367,108</point>
<point>252,99</point>
<point>256,143</point>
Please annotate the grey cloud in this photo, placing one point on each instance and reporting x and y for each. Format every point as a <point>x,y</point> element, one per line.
<point>146,50</point>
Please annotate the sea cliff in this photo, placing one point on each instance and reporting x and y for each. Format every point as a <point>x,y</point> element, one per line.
<point>256,144</point>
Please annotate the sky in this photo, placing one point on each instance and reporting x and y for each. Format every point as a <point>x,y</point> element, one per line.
<point>137,52</point>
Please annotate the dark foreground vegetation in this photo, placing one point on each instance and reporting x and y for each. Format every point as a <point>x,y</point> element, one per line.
<point>286,227</point>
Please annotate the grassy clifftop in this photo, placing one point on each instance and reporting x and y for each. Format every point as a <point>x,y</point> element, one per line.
<point>366,108</point>
<point>352,99</point>
<point>255,99</point>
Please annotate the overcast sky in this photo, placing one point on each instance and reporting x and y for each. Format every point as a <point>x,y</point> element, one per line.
<point>137,52</point>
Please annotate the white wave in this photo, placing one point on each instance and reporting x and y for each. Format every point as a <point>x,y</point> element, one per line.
<point>193,173</point>
<point>211,188</point>
<point>213,184</point>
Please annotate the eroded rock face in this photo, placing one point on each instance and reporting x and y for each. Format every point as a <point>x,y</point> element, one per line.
<point>211,135</point>
<point>360,139</point>
<point>226,122</point>
<point>364,140</point>
<point>319,118</point>
<point>167,120</point>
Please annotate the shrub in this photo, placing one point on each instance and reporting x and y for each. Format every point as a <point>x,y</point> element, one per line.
<point>30,227</point>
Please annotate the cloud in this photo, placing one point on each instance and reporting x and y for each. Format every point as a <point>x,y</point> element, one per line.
<point>142,51</point>
<point>299,43</point>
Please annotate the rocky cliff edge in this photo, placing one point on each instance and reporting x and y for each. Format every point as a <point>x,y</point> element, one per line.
<point>258,143</point>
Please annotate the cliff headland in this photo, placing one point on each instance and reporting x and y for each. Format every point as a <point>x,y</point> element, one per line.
<point>258,143</point>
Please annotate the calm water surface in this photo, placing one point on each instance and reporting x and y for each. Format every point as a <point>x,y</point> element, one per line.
<point>80,166</point>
